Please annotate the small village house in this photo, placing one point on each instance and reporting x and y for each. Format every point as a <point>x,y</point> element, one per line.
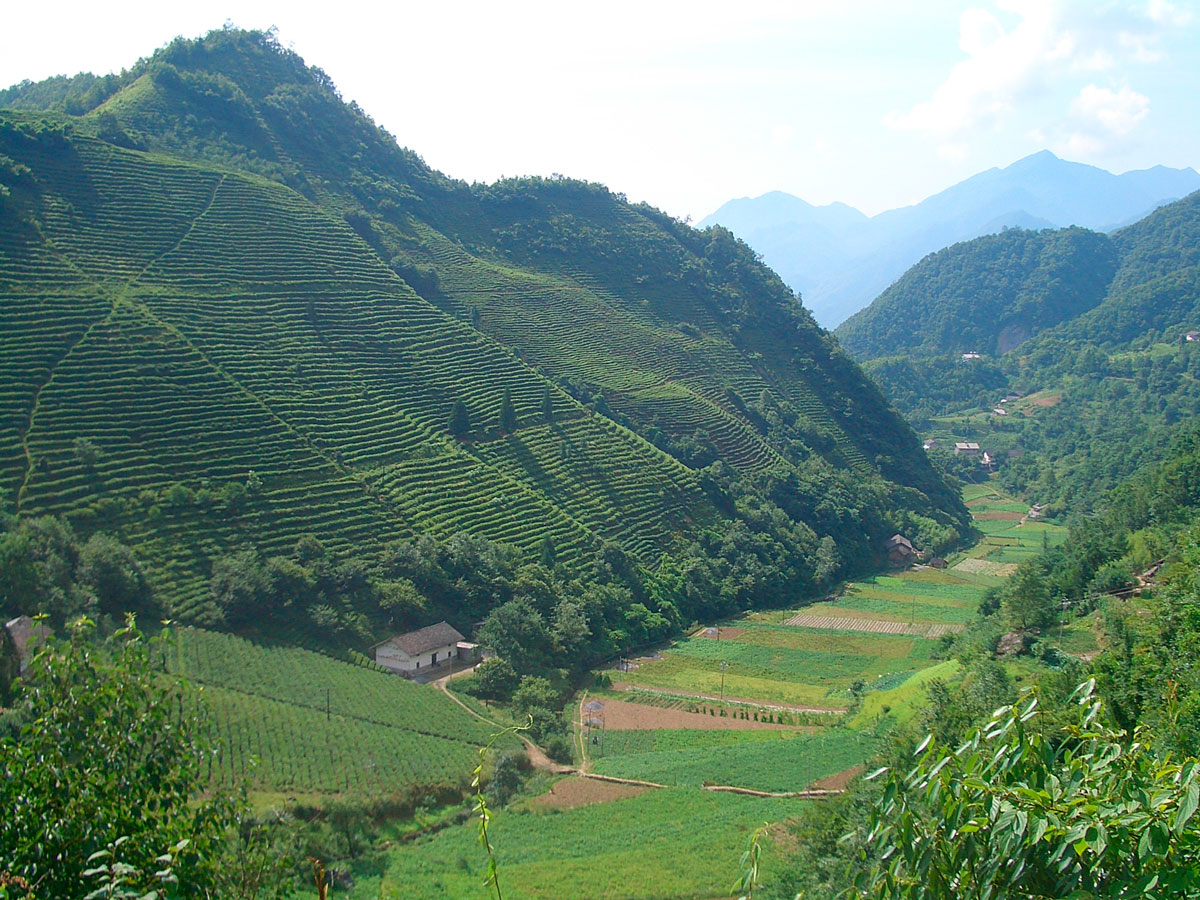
<point>966,448</point>
<point>1192,337</point>
<point>900,550</point>
<point>929,444</point>
<point>425,648</point>
<point>26,636</point>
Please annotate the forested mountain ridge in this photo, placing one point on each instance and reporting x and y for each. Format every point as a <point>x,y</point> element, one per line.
<point>1111,380</point>
<point>840,259</point>
<point>993,293</point>
<point>989,295</point>
<point>241,314</point>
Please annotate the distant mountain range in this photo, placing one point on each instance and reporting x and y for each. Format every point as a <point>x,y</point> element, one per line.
<point>840,259</point>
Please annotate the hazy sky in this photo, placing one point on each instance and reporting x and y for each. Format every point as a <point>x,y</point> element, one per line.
<point>689,104</point>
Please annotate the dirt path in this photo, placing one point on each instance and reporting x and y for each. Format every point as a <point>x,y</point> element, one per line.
<point>812,794</point>
<point>537,756</point>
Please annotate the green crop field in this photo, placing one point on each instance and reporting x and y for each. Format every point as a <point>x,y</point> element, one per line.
<point>778,761</point>
<point>768,660</point>
<point>630,848</point>
<point>292,720</point>
<point>781,664</point>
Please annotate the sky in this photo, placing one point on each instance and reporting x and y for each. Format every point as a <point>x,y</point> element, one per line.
<point>686,105</point>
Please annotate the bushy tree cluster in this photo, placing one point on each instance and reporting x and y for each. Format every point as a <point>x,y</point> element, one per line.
<point>101,788</point>
<point>45,568</point>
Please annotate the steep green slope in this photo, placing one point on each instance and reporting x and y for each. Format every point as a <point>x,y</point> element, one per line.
<point>259,328</point>
<point>662,301</point>
<point>229,327</point>
<point>1154,294</point>
<point>988,295</point>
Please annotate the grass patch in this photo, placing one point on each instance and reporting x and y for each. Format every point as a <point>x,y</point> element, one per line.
<point>769,761</point>
<point>632,848</point>
<point>901,703</point>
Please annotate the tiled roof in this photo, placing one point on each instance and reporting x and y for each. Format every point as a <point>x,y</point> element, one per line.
<point>431,637</point>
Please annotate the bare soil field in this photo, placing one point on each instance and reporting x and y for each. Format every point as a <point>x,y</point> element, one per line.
<point>728,633</point>
<point>620,715</point>
<point>1000,516</point>
<point>573,792</point>
<point>838,780</point>
<point>872,626</point>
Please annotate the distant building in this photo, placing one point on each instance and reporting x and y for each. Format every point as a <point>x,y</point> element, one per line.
<point>938,563</point>
<point>1192,337</point>
<point>1036,511</point>
<point>900,550</point>
<point>26,636</point>
<point>930,444</point>
<point>1000,411</point>
<point>424,648</point>
<point>966,448</point>
<point>972,355</point>
<point>987,460</point>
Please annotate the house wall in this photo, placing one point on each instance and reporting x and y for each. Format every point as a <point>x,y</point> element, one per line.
<point>396,659</point>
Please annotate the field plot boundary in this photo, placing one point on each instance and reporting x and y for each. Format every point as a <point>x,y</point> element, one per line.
<point>873,626</point>
<point>976,566</point>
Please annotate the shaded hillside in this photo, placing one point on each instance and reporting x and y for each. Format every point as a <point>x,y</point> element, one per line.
<point>259,330</point>
<point>989,295</point>
<point>1155,293</point>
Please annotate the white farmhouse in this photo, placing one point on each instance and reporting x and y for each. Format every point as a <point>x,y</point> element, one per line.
<point>421,649</point>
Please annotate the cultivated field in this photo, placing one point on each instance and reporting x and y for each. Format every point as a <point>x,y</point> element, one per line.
<point>759,705</point>
<point>290,720</point>
<point>631,848</point>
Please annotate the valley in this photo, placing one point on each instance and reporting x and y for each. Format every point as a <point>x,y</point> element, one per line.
<point>803,709</point>
<point>275,393</point>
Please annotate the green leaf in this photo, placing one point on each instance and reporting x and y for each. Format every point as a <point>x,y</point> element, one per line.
<point>1187,807</point>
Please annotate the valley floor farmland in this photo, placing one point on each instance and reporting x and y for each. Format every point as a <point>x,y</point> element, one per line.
<point>782,701</point>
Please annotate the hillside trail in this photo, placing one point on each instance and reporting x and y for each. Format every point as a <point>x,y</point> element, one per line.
<point>537,756</point>
<point>539,760</point>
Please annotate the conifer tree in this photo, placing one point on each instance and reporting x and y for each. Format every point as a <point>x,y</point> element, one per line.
<point>508,415</point>
<point>460,420</point>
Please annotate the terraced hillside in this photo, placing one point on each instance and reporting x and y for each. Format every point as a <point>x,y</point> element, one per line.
<point>286,719</point>
<point>239,313</point>
<point>226,326</point>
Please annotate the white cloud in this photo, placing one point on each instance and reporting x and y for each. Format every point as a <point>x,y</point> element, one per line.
<point>1117,112</point>
<point>782,134</point>
<point>1009,69</point>
<point>954,153</point>
<point>1165,13</point>
<point>1100,120</point>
